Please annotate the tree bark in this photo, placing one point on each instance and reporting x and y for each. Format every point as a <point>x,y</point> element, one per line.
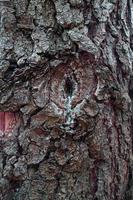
<point>66,85</point>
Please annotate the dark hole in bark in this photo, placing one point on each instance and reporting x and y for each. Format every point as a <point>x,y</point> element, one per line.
<point>69,87</point>
<point>8,75</point>
<point>4,161</point>
<point>13,64</point>
<point>20,149</point>
<point>130,88</point>
<point>35,167</point>
<point>16,184</point>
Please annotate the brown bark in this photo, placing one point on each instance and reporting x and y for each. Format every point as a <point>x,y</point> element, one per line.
<point>66,73</point>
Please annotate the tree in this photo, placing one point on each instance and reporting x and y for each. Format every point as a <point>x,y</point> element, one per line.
<point>65,100</point>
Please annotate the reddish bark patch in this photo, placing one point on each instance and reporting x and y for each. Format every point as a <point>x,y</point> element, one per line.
<point>74,79</point>
<point>38,131</point>
<point>8,121</point>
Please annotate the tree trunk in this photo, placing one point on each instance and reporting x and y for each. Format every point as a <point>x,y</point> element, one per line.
<point>65,99</point>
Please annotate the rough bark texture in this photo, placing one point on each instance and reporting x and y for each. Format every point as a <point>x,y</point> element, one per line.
<point>66,70</point>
